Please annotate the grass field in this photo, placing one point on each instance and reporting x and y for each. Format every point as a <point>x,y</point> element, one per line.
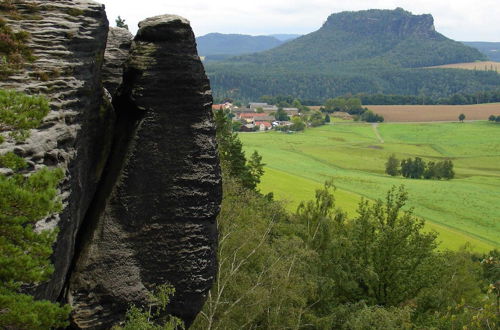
<point>480,66</point>
<point>425,113</point>
<point>461,210</point>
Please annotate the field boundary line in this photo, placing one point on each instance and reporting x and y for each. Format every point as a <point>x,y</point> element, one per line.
<point>377,133</point>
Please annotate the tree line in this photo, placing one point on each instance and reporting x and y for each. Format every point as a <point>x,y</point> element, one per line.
<point>418,168</point>
<point>494,118</point>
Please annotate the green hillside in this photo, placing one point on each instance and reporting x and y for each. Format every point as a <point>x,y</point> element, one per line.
<point>372,51</point>
<point>463,209</point>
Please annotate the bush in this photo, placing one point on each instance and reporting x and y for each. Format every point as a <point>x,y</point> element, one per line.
<point>21,112</point>
<point>371,117</point>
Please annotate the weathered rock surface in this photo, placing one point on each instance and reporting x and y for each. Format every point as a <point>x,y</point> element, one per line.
<point>117,51</point>
<point>68,38</point>
<point>154,218</point>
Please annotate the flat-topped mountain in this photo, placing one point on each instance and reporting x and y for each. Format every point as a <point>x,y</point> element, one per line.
<point>394,37</point>
<point>369,51</point>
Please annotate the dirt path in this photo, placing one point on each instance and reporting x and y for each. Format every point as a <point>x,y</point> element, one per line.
<point>377,134</point>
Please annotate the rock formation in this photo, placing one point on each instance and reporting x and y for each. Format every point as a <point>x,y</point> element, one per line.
<point>68,39</point>
<point>117,51</point>
<point>142,187</point>
<point>155,220</point>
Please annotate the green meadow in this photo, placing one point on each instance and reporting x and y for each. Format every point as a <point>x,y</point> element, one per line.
<point>465,209</point>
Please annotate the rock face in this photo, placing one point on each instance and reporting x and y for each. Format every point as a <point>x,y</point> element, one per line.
<point>154,220</point>
<point>68,39</point>
<point>117,51</point>
<point>142,186</point>
<point>398,22</point>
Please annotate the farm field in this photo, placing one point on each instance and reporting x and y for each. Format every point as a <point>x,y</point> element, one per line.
<point>427,113</point>
<point>460,210</point>
<point>481,66</point>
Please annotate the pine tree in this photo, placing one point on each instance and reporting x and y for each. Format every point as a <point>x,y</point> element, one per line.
<point>232,156</point>
<point>24,200</point>
<point>120,22</point>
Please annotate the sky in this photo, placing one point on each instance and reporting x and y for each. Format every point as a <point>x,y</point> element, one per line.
<point>462,20</point>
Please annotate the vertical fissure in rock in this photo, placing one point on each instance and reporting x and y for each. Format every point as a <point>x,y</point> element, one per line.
<point>128,117</point>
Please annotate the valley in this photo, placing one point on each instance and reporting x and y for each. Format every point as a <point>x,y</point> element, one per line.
<point>460,210</point>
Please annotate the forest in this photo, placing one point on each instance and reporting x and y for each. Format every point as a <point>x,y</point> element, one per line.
<point>355,53</point>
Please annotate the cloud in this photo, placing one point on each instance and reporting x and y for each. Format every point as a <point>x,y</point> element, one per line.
<point>457,19</point>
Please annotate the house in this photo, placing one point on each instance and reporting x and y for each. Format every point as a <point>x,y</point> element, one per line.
<point>250,116</point>
<point>263,125</point>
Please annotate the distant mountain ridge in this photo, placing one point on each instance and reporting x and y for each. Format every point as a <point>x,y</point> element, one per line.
<point>369,51</point>
<point>490,49</point>
<point>234,44</point>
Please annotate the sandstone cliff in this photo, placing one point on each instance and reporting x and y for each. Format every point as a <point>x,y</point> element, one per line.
<point>155,218</point>
<point>142,187</point>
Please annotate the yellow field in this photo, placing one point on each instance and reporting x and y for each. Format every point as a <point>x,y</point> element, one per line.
<point>482,66</point>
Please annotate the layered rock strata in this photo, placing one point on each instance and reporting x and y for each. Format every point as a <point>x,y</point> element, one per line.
<point>154,220</point>
<point>68,39</point>
<point>142,184</point>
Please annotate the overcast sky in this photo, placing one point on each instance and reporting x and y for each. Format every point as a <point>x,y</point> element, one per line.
<point>462,20</point>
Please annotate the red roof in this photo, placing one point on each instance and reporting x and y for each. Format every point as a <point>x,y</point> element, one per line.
<point>217,106</point>
<point>265,123</point>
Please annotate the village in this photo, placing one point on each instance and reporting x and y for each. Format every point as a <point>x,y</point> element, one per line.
<point>257,116</point>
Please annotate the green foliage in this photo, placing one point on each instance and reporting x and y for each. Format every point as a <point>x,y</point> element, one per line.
<point>477,97</point>
<point>380,318</point>
<point>418,168</point>
<point>492,118</point>
<point>120,22</point>
<point>316,119</point>
<point>232,156</point>
<point>12,161</point>
<point>352,105</point>
<point>153,317</point>
<point>297,124</point>
<point>21,112</point>
<point>327,118</point>
<point>461,117</point>
<point>24,200</point>
<point>147,319</point>
<point>21,311</point>
<point>371,117</point>
<point>392,165</point>
<point>263,278</point>
<point>281,115</point>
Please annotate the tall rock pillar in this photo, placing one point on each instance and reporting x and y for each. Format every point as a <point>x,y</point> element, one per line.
<point>153,220</point>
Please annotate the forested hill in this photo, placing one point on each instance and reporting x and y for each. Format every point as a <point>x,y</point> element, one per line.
<point>371,51</point>
<point>490,49</point>
<point>370,37</point>
<point>234,44</point>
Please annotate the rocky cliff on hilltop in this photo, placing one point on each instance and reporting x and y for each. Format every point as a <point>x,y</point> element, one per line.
<point>398,22</point>
<point>142,182</point>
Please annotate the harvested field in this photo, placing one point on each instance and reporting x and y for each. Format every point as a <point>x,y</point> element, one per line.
<point>426,113</point>
<point>482,66</point>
